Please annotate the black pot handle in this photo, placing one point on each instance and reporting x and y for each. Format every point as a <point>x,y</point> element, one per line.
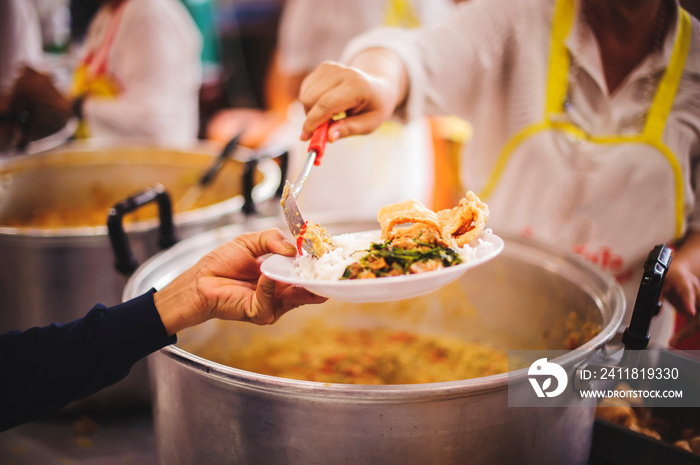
<point>124,260</point>
<point>248,185</point>
<point>647,305</point>
<point>283,160</point>
<point>281,157</point>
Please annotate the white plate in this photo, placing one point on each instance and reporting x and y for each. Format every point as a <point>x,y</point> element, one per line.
<point>281,268</point>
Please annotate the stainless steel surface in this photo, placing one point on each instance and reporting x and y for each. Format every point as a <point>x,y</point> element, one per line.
<point>49,275</point>
<point>291,212</point>
<point>290,208</point>
<point>205,412</point>
<point>306,169</point>
<point>82,438</point>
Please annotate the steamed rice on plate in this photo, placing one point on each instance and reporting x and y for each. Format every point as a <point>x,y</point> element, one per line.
<point>351,247</point>
<point>413,239</point>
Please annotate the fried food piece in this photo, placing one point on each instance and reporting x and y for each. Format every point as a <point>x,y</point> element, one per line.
<point>683,444</point>
<point>317,237</point>
<point>407,211</point>
<point>579,331</point>
<point>464,222</point>
<point>617,411</point>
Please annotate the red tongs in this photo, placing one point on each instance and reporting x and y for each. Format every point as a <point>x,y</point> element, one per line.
<point>295,220</point>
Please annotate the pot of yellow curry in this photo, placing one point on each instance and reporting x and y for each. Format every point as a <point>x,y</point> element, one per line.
<point>57,257</point>
<point>417,381</point>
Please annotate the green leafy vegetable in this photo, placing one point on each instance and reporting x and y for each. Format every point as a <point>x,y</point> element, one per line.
<point>391,259</point>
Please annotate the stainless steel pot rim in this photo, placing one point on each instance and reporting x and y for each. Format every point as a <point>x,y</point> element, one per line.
<point>415,392</point>
<point>261,192</point>
<point>361,392</point>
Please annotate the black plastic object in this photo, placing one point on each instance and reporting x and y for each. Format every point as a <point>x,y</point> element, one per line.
<point>283,160</point>
<point>281,156</point>
<point>647,305</point>
<point>124,260</point>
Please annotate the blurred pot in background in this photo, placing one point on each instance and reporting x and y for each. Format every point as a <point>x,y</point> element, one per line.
<point>57,254</point>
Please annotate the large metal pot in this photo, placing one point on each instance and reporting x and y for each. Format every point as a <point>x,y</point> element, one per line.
<point>209,413</point>
<point>52,274</point>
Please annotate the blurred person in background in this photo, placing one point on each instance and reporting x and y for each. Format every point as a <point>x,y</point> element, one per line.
<point>20,45</point>
<point>359,175</point>
<point>45,368</point>
<point>55,23</point>
<point>586,124</point>
<point>20,39</point>
<point>138,77</point>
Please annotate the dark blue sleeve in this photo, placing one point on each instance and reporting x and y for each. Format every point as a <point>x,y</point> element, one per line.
<point>44,369</point>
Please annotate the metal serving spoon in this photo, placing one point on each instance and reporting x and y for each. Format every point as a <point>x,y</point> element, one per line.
<point>193,194</point>
<point>290,208</point>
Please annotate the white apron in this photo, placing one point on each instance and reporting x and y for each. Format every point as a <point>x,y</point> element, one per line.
<point>610,198</point>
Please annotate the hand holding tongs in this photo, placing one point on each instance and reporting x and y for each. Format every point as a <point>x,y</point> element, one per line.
<point>292,215</point>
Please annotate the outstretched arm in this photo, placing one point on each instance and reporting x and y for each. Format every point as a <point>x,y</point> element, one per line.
<point>44,369</point>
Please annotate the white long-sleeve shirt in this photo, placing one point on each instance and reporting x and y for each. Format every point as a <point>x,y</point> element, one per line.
<point>488,63</point>
<point>155,57</point>
<point>312,31</point>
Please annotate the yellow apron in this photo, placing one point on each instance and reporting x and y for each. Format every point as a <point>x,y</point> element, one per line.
<point>398,13</point>
<point>92,76</point>
<point>609,198</point>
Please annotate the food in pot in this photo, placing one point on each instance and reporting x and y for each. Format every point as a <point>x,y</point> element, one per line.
<point>579,332</point>
<point>363,356</point>
<point>73,217</point>
<point>92,208</point>
<point>413,239</point>
<point>673,425</point>
<point>92,212</point>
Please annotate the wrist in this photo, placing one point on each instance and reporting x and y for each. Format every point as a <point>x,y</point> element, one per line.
<point>180,304</point>
<point>385,67</point>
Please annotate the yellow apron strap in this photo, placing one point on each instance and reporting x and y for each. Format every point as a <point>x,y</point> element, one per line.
<point>558,76</point>
<point>400,13</point>
<point>557,85</point>
<point>666,93</point>
<point>661,106</point>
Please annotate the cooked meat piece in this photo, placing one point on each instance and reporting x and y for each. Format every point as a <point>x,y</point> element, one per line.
<point>465,222</point>
<point>377,264</point>
<point>430,265</point>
